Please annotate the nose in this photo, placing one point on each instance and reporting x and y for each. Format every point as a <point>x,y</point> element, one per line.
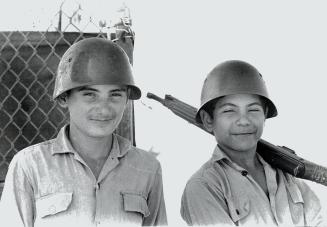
<point>243,120</point>
<point>104,108</point>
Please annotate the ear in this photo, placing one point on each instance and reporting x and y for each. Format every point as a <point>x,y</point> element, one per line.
<point>128,94</point>
<point>207,121</point>
<point>62,100</point>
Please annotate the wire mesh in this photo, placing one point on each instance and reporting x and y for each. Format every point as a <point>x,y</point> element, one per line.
<point>28,64</point>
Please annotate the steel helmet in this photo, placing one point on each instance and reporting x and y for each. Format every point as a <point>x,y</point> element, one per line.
<point>234,77</point>
<point>94,61</point>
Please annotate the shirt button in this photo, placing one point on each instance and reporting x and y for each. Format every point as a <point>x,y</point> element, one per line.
<point>244,172</point>
<point>97,186</point>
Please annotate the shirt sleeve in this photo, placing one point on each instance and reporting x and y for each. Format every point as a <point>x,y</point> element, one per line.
<point>156,202</point>
<point>203,205</point>
<point>313,212</point>
<point>17,200</point>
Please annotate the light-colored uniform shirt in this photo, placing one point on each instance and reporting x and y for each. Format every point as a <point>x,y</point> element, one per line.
<point>223,192</point>
<point>49,184</point>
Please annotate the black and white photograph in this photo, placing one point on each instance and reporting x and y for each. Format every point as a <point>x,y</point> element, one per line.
<point>163,113</point>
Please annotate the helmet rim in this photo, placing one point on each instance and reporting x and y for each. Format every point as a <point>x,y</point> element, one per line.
<point>234,77</point>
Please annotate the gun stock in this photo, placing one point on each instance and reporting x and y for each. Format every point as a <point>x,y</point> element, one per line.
<point>279,157</point>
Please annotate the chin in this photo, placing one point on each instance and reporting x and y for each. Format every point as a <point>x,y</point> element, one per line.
<point>99,132</point>
<point>245,146</point>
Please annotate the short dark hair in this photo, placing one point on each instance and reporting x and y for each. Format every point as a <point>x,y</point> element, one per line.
<point>64,95</point>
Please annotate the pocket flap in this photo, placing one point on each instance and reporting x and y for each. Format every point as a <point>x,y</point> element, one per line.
<point>53,203</point>
<point>135,202</point>
<point>238,208</point>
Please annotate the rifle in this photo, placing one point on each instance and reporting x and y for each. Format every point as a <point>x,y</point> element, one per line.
<point>277,156</point>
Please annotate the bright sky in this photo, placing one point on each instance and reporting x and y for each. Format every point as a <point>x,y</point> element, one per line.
<point>179,42</point>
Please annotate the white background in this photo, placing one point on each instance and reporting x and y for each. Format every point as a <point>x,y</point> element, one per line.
<point>179,42</point>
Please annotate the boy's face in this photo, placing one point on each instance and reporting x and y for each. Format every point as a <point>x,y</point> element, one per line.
<point>96,110</point>
<point>237,122</point>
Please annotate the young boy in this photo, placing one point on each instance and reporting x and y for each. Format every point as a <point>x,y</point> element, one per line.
<point>236,186</point>
<point>87,176</point>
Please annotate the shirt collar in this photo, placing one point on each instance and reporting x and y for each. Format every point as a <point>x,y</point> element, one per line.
<point>219,155</point>
<point>120,146</point>
<point>62,145</point>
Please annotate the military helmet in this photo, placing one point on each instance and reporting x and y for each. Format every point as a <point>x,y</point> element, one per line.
<point>234,77</point>
<point>94,61</point>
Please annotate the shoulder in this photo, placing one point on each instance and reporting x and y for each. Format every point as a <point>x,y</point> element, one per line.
<point>139,158</point>
<point>145,157</point>
<point>36,149</point>
<point>210,177</point>
<point>209,173</point>
<point>299,190</point>
<point>33,153</point>
<point>292,181</point>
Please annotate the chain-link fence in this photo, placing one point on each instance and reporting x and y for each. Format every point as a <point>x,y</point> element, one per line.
<point>28,63</point>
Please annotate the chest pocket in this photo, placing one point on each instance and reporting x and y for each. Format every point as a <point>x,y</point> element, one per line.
<point>239,208</point>
<point>53,203</point>
<point>295,201</point>
<point>135,202</point>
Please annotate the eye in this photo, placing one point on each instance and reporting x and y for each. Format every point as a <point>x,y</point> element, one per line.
<point>88,94</point>
<point>227,111</point>
<point>255,110</point>
<point>118,94</point>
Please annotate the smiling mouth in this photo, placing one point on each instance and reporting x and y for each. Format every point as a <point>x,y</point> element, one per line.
<point>243,134</point>
<point>101,120</point>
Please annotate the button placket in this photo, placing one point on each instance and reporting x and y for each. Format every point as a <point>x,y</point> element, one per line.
<point>97,201</point>
<point>97,186</point>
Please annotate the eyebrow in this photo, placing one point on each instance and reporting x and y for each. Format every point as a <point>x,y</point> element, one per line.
<point>256,103</point>
<point>233,105</point>
<point>226,104</point>
<point>118,90</point>
<point>86,88</point>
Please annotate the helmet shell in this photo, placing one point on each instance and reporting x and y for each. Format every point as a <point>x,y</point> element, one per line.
<point>94,61</point>
<point>234,77</point>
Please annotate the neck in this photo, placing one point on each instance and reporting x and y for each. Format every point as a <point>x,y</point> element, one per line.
<point>246,159</point>
<point>90,147</point>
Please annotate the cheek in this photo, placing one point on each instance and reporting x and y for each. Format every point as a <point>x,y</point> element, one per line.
<point>259,123</point>
<point>222,127</point>
<point>76,111</point>
<point>118,110</point>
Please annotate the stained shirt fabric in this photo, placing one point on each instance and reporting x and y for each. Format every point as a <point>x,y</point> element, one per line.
<point>223,192</point>
<point>49,184</point>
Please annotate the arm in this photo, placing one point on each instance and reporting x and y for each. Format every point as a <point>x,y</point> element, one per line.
<point>156,202</point>
<point>17,200</point>
<point>203,205</point>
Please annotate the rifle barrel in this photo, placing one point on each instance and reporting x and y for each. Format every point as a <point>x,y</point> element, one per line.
<point>279,157</point>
